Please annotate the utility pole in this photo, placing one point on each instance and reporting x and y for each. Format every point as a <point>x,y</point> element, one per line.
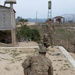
<point>73,18</point>
<point>36,16</point>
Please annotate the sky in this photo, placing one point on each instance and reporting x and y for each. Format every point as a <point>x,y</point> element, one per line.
<point>28,8</point>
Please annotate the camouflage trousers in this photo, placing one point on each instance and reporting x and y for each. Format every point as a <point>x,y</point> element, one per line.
<point>50,37</point>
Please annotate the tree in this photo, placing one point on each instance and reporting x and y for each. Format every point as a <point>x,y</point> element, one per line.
<point>21,20</point>
<point>35,36</point>
<point>26,33</point>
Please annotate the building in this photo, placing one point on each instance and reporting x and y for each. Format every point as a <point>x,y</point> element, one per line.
<point>7,23</point>
<point>58,19</point>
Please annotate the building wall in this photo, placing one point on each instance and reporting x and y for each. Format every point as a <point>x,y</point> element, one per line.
<point>7,23</point>
<point>5,18</point>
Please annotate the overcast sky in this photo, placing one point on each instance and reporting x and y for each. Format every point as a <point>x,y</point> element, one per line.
<point>28,8</point>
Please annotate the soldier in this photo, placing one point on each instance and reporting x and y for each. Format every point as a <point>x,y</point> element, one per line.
<point>50,29</point>
<point>46,40</point>
<point>38,65</point>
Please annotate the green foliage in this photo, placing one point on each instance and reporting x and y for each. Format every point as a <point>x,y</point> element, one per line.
<point>61,30</point>
<point>35,36</point>
<point>23,20</point>
<point>26,33</point>
<point>20,19</point>
<point>64,34</point>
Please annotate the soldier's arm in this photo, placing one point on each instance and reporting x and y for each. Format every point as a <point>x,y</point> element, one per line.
<point>26,63</point>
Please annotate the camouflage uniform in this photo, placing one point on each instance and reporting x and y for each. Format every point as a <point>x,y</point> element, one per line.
<point>37,65</point>
<point>50,30</point>
<point>46,40</point>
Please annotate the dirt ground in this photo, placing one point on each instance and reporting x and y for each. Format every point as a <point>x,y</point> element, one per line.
<point>60,63</point>
<point>12,58</point>
<point>23,44</point>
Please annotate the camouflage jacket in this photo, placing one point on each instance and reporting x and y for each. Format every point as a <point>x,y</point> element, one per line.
<point>37,65</point>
